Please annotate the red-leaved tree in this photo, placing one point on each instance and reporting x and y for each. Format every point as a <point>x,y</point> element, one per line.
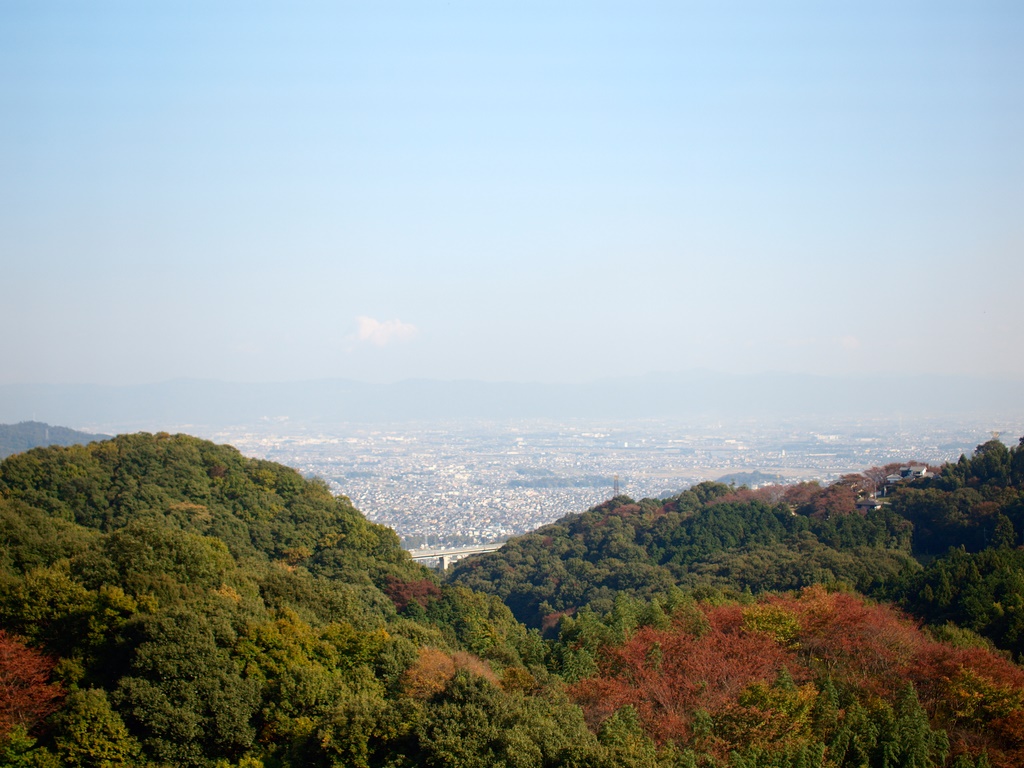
<point>403,592</point>
<point>668,675</point>
<point>755,673</point>
<point>26,695</point>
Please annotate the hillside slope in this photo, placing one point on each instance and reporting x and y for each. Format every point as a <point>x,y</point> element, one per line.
<point>707,537</point>
<point>15,438</point>
<point>166,601</point>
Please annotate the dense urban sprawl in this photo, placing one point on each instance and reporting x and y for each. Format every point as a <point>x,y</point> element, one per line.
<point>462,483</point>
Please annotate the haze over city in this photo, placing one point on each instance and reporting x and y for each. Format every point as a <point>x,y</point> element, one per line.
<point>518,192</point>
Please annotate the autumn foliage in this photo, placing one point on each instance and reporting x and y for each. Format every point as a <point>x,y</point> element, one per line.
<point>429,674</point>
<point>667,675</point>
<point>433,669</point>
<point>763,673</point>
<point>26,695</point>
<point>403,591</point>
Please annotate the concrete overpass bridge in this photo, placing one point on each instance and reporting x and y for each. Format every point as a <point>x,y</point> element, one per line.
<point>449,555</point>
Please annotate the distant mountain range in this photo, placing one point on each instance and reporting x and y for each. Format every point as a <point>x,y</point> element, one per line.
<point>687,395</point>
<point>15,438</point>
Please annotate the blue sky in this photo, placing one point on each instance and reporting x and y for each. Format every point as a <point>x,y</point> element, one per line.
<point>509,191</point>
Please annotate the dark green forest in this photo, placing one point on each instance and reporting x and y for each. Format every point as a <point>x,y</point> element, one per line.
<point>165,601</point>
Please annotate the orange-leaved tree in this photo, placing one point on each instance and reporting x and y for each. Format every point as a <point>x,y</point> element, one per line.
<point>26,693</point>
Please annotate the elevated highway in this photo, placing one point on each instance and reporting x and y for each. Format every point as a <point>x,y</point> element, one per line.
<point>449,555</point>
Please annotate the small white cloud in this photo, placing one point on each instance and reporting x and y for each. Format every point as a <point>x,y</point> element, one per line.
<point>381,334</point>
<point>850,342</point>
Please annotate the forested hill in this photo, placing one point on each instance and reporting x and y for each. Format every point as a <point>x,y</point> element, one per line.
<point>708,537</point>
<point>165,601</point>
<point>255,508</point>
<point>716,537</point>
<point>15,438</point>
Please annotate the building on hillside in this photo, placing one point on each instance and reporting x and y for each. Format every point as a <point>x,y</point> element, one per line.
<point>868,504</point>
<point>908,472</point>
<point>914,472</point>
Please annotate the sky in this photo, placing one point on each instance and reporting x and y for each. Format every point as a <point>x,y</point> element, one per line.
<point>509,191</point>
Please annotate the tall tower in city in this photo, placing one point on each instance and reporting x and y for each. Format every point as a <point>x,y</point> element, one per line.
<point>616,487</point>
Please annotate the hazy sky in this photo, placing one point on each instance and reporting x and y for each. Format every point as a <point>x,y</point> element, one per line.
<point>509,191</point>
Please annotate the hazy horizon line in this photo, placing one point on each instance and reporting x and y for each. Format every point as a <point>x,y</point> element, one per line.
<point>653,373</point>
